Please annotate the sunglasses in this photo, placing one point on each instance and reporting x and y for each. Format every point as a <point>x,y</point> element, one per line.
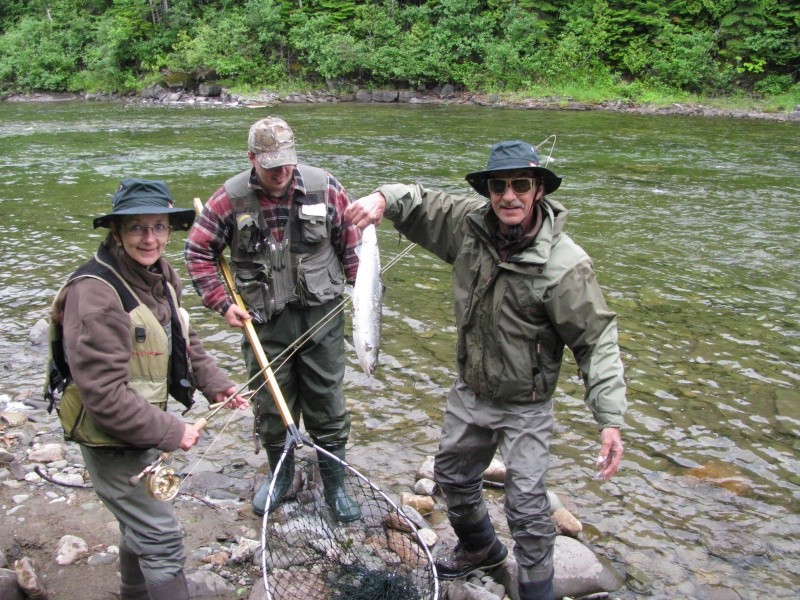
<point>520,185</point>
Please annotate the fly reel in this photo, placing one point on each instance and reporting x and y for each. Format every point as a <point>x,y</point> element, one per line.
<point>163,483</point>
<point>160,480</point>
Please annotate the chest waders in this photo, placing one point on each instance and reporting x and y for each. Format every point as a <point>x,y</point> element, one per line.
<point>304,269</point>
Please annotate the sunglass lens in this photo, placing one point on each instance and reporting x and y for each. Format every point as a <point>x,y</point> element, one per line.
<point>520,186</point>
<point>497,186</point>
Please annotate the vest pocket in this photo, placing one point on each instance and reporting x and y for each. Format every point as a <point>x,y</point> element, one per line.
<point>253,288</point>
<point>316,284</point>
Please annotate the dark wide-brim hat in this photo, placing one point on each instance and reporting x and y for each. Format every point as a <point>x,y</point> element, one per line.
<point>512,156</point>
<point>145,197</point>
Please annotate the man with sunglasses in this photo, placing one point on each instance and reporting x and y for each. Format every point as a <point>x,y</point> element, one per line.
<point>523,290</point>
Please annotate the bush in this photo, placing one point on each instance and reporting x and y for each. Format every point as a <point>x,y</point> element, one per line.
<point>34,55</point>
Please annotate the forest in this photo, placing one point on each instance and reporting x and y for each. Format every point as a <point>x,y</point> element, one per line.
<point>626,47</point>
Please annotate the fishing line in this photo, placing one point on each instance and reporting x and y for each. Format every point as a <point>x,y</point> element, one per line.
<point>281,360</point>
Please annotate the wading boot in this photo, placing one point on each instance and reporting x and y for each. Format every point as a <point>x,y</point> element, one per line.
<point>175,589</point>
<point>344,508</point>
<point>132,585</point>
<point>282,483</point>
<point>477,548</point>
<point>537,590</point>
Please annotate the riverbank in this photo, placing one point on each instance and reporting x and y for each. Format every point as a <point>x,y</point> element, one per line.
<point>213,95</point>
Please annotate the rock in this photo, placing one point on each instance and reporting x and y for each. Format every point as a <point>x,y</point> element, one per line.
<point>425,487</point>
<point>101,558</point>
<point>463,590</point>
<point>30,579</point>
<point>216,485</point>
<point>244,550</point>
<point>407,549</point>
<point>39,333</point>
<point>395,521</point>
<point>206,584</point>
<point>217,558</point>
<point>9,588</point>
<point>70,549</point>
<point>496,472</point>
<point>384,96</point>
<point>46,453</point>
<point>732,546</point>
<point>414,516</point>
<point>423,504</point>
<point>363,96</point>
<point>428,536</point>
<point>209,89</point>
<point>566,523</point>
<point>578,571</point>
<point>14,418</point>
<point>425,470</point>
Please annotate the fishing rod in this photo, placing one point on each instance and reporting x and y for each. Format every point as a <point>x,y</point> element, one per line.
<point>161,480</point>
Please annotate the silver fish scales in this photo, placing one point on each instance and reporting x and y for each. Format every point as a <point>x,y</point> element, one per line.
<point>367,301</point>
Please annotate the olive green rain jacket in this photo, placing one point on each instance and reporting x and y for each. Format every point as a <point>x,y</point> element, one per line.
<point>515,316</point>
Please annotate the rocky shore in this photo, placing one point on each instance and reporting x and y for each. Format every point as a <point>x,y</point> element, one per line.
<point>60,543</point>
<point>215,95</point>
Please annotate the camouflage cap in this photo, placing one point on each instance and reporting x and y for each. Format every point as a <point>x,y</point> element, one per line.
<point>272,141</point>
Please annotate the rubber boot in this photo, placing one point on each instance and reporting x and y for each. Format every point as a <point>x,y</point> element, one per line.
<point>344,508</point>
<point>132,584</point>
<point>174,589</point>
<point>477,548</point>
<point>537,590</point>
<point>283,482</point>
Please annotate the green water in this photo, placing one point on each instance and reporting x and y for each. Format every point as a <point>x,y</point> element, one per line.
<point>692,224</point>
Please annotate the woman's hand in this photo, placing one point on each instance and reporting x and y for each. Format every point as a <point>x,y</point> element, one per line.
<point>238,401</point>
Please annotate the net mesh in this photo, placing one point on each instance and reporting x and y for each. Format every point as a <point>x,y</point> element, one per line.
<point>308,553</point>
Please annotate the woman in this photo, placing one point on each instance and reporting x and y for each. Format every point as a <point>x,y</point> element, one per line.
<point>121,345</point>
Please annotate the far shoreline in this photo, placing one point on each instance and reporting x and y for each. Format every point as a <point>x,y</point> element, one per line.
<point>219,97</point>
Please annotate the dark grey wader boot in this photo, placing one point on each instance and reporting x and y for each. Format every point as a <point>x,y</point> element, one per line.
<point>537,590</point>
<point>478,548</point>
<point>282,483</point>
<point>132,585</point>
<point>175,589</point>
<point>344,508</point>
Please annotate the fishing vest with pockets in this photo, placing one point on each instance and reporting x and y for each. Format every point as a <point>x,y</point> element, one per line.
<point>158,366</point>
<point>302,268</point>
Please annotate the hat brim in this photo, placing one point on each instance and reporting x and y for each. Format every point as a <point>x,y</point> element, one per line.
<point>478,179</point>
<point>180,218</point>
<point>270,160</point>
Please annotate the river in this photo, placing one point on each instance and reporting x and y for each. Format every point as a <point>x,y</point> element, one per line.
<point>692,225</point>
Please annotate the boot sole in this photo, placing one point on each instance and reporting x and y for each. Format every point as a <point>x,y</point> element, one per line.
<point>464,572</point>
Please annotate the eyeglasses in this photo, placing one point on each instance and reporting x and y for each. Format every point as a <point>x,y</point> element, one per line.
<point>520,185</point>
<point>160,230</point>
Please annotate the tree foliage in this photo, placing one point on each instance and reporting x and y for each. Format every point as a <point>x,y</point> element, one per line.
<point>704,46</point>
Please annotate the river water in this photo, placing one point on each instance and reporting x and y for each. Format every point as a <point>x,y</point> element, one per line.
<point>692,224</point>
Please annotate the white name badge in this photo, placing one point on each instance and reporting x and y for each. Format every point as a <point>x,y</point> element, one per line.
<point>314,210</point>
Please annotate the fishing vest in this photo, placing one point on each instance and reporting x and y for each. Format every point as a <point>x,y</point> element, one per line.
<point>158,366</point>
<point>302,268</point>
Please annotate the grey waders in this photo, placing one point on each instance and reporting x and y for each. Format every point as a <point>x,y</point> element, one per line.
<point>132,585</point>
<point>344,508</point>
<point>282,484</point>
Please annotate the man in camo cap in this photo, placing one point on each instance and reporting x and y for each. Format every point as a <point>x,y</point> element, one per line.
<point>291,254</point>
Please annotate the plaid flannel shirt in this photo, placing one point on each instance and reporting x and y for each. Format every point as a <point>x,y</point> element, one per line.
<point>213,231</point>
